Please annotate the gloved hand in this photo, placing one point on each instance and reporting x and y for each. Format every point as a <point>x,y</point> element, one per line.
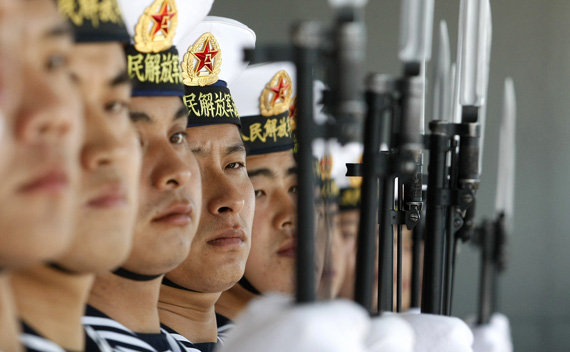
<point>493,337</point>
<point>390,333</point>
<point>274,323</point>
<point>436,333</point>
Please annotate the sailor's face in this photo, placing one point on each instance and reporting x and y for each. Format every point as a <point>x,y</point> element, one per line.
<point>11,93</point>
<point>110,161</point>
<point>271,262</point>
<point>221,246</point>
<point>349,221</point>
<point>335,264</point>
<point>170,189</point>
<point>40,172</point>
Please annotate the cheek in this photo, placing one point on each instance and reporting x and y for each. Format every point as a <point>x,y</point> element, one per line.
<point>249,201</point>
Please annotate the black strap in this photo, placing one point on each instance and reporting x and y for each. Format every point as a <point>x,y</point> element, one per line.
<point>127,274</point>
<point>170,283</point>
<point>248,286</point>
<point>62,269</point>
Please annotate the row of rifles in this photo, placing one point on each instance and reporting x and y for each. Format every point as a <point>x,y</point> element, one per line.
<point>387,114</point>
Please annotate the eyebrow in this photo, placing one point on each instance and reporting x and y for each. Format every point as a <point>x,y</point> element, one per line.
<point>120,79</point>
<point>181,113</point>
<point>140,116</point>
<point>265,172</point>
<point>292,171</point>
<point>59,30</point>
<point>235,148</point>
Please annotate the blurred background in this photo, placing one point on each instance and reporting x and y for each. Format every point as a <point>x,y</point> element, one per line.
<point>531,45</point>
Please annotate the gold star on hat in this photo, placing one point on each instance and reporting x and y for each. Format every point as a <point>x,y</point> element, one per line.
<point>156,27</point>
<point>202,62</point>
<point>276,96</point>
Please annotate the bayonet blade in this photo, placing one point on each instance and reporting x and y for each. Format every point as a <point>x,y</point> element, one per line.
<point>416,30</point>
<point>504,198</point>
<point>483,83</point>
<point>474,22</point>
<point>441,109</point>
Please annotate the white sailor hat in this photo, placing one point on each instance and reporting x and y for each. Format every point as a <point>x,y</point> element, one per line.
<point>213,57</point>
<point>264,95</point>
<point>152,60</point>
<point>183,15</point>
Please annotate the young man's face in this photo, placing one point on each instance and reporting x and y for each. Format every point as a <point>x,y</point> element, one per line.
<point>170,194</point>
<point>221,246</point>
<point>271,262</point>
<point>40,170</point>
<point>334,270</point>
<point>349,221</point>
<point>110,161</point>
<point>11,49</point>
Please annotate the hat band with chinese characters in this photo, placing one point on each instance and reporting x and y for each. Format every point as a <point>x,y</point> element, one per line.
<point>154,74</point>
<point>210,105</point>
<point>267,134</point>
<point>95,20</point>
<point>349,199</point>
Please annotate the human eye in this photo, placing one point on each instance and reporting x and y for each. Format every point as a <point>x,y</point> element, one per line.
<point>259,193</point>
<point>55,62</point>
<point>178,138</point>
<point>236,165</point>
<point>116,107</point>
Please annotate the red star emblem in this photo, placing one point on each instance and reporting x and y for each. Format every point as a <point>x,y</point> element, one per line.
<point>206,57</point>
<point>162,20</point>
<point>279,91</point>
<point>293,108</point>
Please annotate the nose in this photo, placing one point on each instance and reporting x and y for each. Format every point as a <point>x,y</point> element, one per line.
<point>286,211</point>
<point>50,111</point>
<point>103,144</point>
<point>172,169</point>
<point>226,197</point>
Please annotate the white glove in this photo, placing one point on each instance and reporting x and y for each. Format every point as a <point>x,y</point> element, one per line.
<point>390,333</point>
<point>274,323</point>
<point>493,337</point>
<point>437,333</point>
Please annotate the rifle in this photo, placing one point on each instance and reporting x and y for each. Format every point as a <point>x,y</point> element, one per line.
<point>394,105</point>
<point>491,236</point>
<point>451,191</point>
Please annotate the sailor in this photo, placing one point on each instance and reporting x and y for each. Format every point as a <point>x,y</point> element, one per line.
<point>122,304</point>
<point>213,59</point>
<point>40,126</point>
<point>264,96</point>
<point>42,118</point>
<point>51,297</point>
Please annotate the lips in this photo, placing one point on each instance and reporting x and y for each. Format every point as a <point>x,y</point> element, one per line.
<point>229,238</point>
<point>110,196</point>
<point>54,181</point>
<point>288,250</point>
<point>329,274</point>
<point>178,214</point>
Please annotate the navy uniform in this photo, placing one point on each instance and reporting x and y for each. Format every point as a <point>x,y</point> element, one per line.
<point>123,339</point>
<point>154,67</point>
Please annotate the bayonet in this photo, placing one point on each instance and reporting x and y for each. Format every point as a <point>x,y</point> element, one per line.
<point>442,77</point>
